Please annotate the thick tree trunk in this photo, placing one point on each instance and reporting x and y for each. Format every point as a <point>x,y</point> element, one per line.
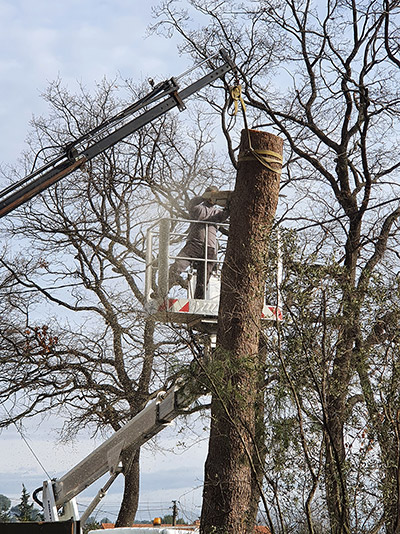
<point>260,451</point>
<point>130,500</point>
<point>336,412</point>
<point>230,471</point>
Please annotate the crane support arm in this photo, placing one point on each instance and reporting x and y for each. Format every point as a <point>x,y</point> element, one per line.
<point>100,138</point>
<point>152,419</point>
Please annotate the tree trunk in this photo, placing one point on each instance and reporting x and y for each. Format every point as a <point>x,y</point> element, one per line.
<point>130,500</point>
<point>336,416</point>
<point>229,470</point>
<point>260,451</point>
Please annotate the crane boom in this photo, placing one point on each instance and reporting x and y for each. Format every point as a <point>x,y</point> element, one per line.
<point>74,156</point>
<point>146,424</point>
<point>61,493</point>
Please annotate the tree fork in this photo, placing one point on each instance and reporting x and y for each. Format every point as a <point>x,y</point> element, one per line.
<point>230,469</point>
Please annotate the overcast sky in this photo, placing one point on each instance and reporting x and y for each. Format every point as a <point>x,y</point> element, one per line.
<point>76,40</point>
<point>82,41</point>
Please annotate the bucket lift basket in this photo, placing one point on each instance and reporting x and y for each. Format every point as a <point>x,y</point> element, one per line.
<point>164,240</point>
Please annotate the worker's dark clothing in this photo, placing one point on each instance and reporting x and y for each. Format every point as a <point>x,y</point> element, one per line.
<point>196,246</point>
<point>204,270</point>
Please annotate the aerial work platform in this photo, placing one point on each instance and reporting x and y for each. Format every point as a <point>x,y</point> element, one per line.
<point>177,304</point>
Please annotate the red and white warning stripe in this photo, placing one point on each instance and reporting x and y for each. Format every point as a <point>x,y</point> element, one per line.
<point>206,308</point>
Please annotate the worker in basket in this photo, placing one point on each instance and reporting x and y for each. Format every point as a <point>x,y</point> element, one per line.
<point>201,241</point>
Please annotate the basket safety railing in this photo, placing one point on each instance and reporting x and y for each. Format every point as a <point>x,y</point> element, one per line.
<point>165,239</point>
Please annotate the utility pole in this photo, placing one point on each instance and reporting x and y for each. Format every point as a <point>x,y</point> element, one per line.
<point>231,470</point>
<point>174,513</point>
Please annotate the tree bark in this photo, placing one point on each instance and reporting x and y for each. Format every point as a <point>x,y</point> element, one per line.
<point>230,471</point>
<point>260,451</point>
<point>130,500</point>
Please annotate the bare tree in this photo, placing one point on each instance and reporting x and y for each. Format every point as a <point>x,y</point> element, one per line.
<point>325,76</point>
<point>96,355</point>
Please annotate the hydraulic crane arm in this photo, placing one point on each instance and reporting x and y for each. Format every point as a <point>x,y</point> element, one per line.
<point>101,138</point>
<point>152,419</point>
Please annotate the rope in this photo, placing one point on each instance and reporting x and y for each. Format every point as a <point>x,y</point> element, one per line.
<point>262,157</point>
<point>265,157</point>
<point>26,443</point>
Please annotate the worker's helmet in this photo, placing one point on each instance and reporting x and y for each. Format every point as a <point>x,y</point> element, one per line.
<point>211,189</point>
<point>207,195</point>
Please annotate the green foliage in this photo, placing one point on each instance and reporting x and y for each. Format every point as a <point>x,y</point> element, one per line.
<point>25,511</point>
<point>5,503</point>
<point>91,524</point>
<point>300,371</point>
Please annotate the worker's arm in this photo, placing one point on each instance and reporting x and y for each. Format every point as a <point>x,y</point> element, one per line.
<point>204,212</point>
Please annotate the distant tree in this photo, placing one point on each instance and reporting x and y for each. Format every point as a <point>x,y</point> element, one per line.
<point>167,520</point>
<point>92,524</point>
<point>25,511</point>
<point>5,504</point>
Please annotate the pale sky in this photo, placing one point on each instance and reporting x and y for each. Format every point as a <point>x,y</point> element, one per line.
<point>76,40</point>
<point>82,41</point>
